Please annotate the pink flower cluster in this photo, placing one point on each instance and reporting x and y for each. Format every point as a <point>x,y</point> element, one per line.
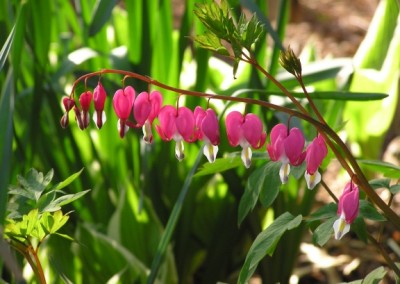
<point>287,146</point>
<point>184,125</point>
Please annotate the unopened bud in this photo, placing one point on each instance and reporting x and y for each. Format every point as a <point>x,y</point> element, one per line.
<point>290,62</point>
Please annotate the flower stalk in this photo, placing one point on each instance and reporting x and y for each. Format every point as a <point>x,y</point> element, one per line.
<point>334,142</point>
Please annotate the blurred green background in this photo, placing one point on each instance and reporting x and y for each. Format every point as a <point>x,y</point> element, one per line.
<point>47,44</point>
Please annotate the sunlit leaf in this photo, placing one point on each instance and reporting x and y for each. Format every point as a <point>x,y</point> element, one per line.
<point>65,199</point>
<point>67,181</point>
<point>101,14</point>
<point>220,165</point>
<point>211,42</point>
<point>250,31</point>
<point>5,50</point>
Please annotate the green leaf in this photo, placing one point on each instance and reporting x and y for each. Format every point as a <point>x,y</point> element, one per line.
<point>103,256</point>
<point>387,169</point>
<point>380,183</point>
<point>211,42</point>
<point>323,232</point>
<point>67,181</point>
<point>45,200</point>
<point>271,185</point>
<point>374,277</point>
<point>5,50</point>
<point>394,188</point>
<point>216,18</point>
<point>251,193</point>
<point>250,31</point>
<point>298,172</point>
<point>220,165</point>
<point>367,210</point>
<point>172,221</point>
<point>6,138</point>
<point>101,14</point>
<point>325,212</point>
<point>266,242</point>
<point>63,200</point>
<point>55,221</point>
<point>360,228</point>
<point>33,184</point>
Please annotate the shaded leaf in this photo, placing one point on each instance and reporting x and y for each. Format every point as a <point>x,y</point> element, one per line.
<point>266,242</point>
<point>325,212</point>
<point>251,193</point>
<point>367,210</point>
<point>380,183</point>
<point>271,185</point>
<point>394,188</point>
<point>360,228</point>
<point>323,232</point>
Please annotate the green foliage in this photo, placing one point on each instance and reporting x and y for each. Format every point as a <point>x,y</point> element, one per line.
<point>35,226</point>
<point>145,208</point>
<point>263,183</point>
<point>39,210</point>
<point>223,35</point>
<point>387,169</point>
<point>374,277</point>
<point>266,242</point>
<point>29,194</point>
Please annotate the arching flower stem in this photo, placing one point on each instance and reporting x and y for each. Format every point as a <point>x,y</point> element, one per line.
<point>344,155</point>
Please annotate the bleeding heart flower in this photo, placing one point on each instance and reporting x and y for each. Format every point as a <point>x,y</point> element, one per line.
<point>99,98</point>
<point>178,125</point>
<point>287,147</point>
<point>123,102</point>
<point>145,110</point>
<point>207,129</point>
<point>245,130</point>
<point>315,154</point>
<point>347,210</point>
<point>68,105</point>
<point>83,117</point>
